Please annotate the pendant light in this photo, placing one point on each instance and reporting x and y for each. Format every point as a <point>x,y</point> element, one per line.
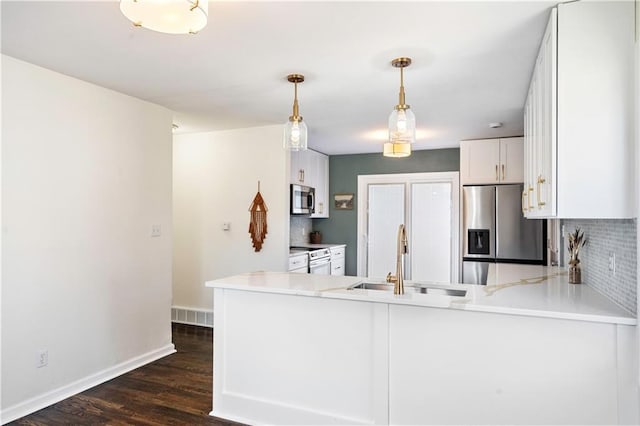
<point>295,130</point>
<point>167,16</point>
<point>396,150</point>
<point>402,122</point>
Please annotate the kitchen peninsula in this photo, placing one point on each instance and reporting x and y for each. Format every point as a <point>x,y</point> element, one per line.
<point>528,348</point>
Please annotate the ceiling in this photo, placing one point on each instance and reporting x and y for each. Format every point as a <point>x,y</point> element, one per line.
<point>471,63</point>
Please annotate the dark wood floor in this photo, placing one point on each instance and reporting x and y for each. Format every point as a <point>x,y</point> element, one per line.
<point>175,390</point>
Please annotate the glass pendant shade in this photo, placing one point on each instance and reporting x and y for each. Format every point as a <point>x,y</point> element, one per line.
<point>402,122</point>
<point>402,126</point>
<point>396,150</point>
<point>295,130</point>
<point>295,135</point>
<point>167,16</point>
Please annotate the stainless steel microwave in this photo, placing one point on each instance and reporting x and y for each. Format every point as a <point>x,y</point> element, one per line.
<point>303,199</point>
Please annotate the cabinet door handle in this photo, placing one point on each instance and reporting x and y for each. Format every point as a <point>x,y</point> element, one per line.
<point>503,172</point>
<point>497,172</point>
<point>541,180</point>
<point>530,207</point>
<point>524,208</point>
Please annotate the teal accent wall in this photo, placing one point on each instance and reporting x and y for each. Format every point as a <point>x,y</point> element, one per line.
<point>342,225</point>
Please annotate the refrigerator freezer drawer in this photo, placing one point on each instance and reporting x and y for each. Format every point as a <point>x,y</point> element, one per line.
<point>475,272</point>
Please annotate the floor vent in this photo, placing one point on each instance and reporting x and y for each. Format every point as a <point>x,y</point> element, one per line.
<point>192,316</point>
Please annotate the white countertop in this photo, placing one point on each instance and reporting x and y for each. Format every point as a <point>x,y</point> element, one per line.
<point>315,246</point>
<point>512,289</point>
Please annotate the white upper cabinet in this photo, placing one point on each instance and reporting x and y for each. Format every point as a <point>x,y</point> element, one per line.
<point>491,161</point>
<point>512,160</point>
<point>578,116</point>
<point>320,167</point>
<point>300,168</point>
<point>311,168</point>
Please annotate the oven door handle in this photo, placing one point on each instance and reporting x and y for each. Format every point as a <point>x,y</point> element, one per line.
<point>319,262</point>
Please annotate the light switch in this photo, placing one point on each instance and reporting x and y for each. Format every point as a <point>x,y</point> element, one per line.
<point>226,226</point>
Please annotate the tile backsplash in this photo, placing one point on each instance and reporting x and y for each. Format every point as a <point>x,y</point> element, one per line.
<point>604,238</point>
<point>299,229</point>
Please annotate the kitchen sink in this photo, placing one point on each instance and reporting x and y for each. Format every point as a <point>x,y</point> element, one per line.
<point>411,288</point>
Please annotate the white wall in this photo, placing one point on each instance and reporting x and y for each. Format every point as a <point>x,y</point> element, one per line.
<point>85,173</point>
<point>637,177</point>
<point>215,177</point>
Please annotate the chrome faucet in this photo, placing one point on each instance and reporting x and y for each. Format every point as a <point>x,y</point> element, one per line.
<point>397,279</point>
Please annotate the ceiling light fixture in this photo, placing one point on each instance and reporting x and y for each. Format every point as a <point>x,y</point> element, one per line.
<point>396,150</point>
<point>167,16</point>
<point>295,130</point>
<point>402,122</point>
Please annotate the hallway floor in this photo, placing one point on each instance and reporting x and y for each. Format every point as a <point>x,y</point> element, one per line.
<point>175,390</point>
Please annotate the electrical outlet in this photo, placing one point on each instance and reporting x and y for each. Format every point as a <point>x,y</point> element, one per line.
<point>612,263</point>
<point>226,226</point>
<point>156,230</point>
<point>42,358</point>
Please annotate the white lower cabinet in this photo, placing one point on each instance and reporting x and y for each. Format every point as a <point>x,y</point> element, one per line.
<point>338,260</point>
<point>288,359</point>
<point>284,359</point>
<point>452,367</point>
<point>299,263</point>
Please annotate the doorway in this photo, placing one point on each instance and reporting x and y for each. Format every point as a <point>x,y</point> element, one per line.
<point>428,205</point>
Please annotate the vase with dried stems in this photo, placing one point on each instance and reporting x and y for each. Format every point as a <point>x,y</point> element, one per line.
<point>576,242</point>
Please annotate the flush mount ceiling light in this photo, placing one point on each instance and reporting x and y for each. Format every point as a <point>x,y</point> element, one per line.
<point>402,122</point>
<point>167,16</point>
<point>295,130</point>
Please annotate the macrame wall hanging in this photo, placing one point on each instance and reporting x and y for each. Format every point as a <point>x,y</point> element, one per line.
<point>258,222</point>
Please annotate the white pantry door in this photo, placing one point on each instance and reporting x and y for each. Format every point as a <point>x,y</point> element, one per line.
<point>386,212</point>
<point>427,204</point>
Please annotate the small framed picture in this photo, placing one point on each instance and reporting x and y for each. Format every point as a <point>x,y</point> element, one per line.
<point>343,201</point>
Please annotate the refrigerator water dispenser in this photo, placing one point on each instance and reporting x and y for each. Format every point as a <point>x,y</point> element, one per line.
<point>478,241</point>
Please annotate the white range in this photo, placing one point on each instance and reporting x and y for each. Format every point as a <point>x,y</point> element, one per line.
<point>324,259</point>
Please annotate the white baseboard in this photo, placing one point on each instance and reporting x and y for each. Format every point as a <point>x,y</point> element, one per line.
<point>237,419</point>
<point>41,401</point>
<point>192,316</point>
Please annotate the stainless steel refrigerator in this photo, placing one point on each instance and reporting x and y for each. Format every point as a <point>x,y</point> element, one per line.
<point>496,231</point>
